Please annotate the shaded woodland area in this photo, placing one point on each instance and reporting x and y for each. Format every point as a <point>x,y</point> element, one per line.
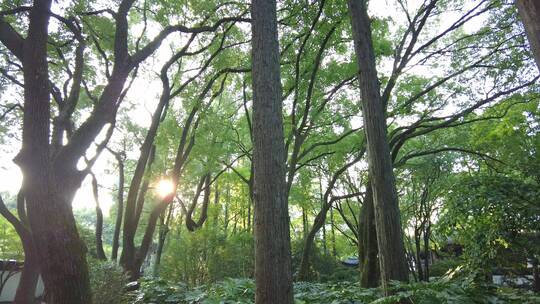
<point>270,151</point>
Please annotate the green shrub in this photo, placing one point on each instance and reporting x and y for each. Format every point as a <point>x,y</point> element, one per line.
<point>207,256</point>
<point>108,282</point>
<point>441,267</point>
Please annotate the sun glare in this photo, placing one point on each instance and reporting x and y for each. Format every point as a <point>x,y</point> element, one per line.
<point>164,187</point>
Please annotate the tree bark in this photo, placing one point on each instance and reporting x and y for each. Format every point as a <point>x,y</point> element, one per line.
<point>536,274</point>
<point>333,233</point>
<point>368,251</point>
<point>418,250</point>
<point>162,237</point>
<point>427,233</point>
<point>100,253</point>
<point>529,10</point>
<point>392,259</point>
<point>134,266</point>
<point>120,205</point>
<point>273,273</point>
<point>30,273</point>
<point>48,192</point>
<point>304,270</point>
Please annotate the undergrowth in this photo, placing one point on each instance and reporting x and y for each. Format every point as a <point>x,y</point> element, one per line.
<point>240,291</point>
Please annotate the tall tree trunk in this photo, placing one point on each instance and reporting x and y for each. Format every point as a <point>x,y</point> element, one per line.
<point>325,248</point>
<point>139,185</point>
<point>133,266</point>
<point>367,240</point>
<point>392,259</point>
<point>411,258</point>
<point>333,233</point>
<point>427,255</point>
<point>48,190</point>
<point>133,211</point>
<point>418,250</point>
<point>217,207</point>
<point>273,273</point>
<point>249,216</point>
<point>226,213</point>
<point>529,10</point>
<point>163,231</point>
<point>536,274</point>
<point>321,196</point>
<point>120,205</point>
<point>304,223</point>
<point>100,253</point>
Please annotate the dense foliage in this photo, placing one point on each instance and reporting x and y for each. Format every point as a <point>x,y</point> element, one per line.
<point>241,291</point>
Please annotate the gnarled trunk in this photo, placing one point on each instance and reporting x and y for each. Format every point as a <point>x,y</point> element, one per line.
<point>48,191</point>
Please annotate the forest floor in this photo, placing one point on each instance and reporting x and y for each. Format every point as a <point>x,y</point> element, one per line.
<point>461,291</point>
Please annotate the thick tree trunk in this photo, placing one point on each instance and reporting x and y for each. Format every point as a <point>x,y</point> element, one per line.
<point>48,192</point>
<point>29,277</point>
<point>62,253</point>
<point>392,260</point>
<point>529,10</point>
<point>273,273</point>
<point>368,251</point>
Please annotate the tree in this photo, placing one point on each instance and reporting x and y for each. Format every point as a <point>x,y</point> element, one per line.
<point>49,165</point>
<point>393,264</point>
<point>328,200</point>
<point>273,277</point>
<point>54,234</point>
<point>529,10</point>
<point>120,157</point>
<point>30,273</point>
<point>100,252</point>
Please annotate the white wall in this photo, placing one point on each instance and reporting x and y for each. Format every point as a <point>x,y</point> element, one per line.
<point>8,293</point>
